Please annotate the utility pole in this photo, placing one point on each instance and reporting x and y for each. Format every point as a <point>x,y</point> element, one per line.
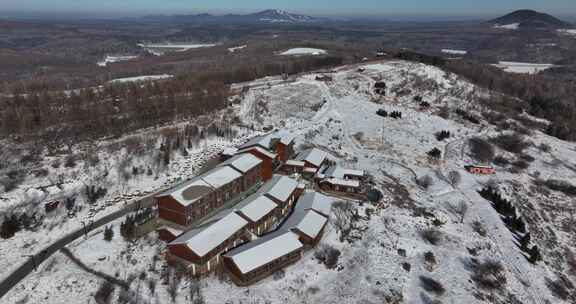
<point>84,229</point>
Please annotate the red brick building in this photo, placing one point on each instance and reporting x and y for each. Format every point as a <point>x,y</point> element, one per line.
<point>282,190</point>
<point>197,198</point>
<point>260,212</point>
<point>258,259</point>
<point>199,249</point>
<point>268,160</point>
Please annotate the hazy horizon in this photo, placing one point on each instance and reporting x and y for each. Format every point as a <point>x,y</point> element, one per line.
<point>404,10</point>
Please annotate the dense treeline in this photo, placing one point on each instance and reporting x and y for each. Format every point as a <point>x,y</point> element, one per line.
<point>108,111</point>
<point>115,109</point>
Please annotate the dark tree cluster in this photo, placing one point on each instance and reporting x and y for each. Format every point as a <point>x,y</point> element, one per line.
<point>467,116</point>
<point>481,150</point>
<point>513,222</point>
<point>382,112</point>
<point>435,153</point>
<point>94,193</point>
<point>16,222</point>
<point>442,135</point>
<point>426,59</point>
<point>132,221</point>
<point>396,114</point>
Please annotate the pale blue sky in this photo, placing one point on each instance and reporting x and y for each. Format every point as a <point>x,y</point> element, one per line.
<point>313,7</point>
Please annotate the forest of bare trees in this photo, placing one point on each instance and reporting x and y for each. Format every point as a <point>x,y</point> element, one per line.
<point>116,109</point>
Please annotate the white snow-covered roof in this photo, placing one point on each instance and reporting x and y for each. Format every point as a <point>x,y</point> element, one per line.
<point>173,231</point>
<point>242,162</point>
<point>202,241</point>
<point>260,150</point>
<point>189,192</point>
<point>295,163</point>
<point>311,223</point>
<point>343,182</point>
<point>220,176</point>
<point>285,137</point>
<point>229,151</point>
<point>266,141</point>
<point>340,172</point>
<point>256,207</point>
<point>279,187</point>
<point>314,156</point>
<point>264,250</point>
<point>311,170</point>
<point>316,201</point>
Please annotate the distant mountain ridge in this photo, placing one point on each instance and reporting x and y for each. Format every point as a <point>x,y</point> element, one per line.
<point>529,19</point>
<point>266,16</point>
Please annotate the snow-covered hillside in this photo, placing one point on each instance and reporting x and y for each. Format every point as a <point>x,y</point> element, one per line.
<point>417,245</point>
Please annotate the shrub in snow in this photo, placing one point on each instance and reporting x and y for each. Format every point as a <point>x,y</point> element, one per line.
<point>70,161</point>
<point>561,288</point>
<point>454,178</point>
<point>544,148</point>
<point>478,227</point>
<point>559,185</point>
<point>501,161</point>
<point>343,218</point>
<point>459,209</point>
<point>429,260</point>
<point>431,235</point>
<point>108,233</point>
<point>442,135</point>
<point>435,154</point>
<point>514,143</point>
<point>9,226</point>
<point>94,193</point>
<point>481,150</point>
<point>104,293</point>
<point>432,285</point>
<point>328,256</point>
<point>279,275</point>
<point>467,116</point>
<point>406,266</point>
<point>488,274</point>
<point>425,182</point>
<point>13,179</point>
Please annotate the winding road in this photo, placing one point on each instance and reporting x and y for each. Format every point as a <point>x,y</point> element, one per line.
<point>35,260</point>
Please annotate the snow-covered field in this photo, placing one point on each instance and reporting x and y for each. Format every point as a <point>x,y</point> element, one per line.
<point>454,52</point>
<point>237,48</point>
<point>522,67</point>
<point>512,26</point>
<point>303,51</point>
<point>141,78</point>
<point>113,59</point>
<point>159,49</point>
<point>571,32</point>
<point>388,256</point>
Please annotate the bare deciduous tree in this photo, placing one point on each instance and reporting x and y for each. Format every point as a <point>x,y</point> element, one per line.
<point>460,209</point>
<point>454,178</point>
<point>425,182</point>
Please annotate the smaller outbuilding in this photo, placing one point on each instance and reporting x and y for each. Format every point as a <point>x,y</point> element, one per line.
<point>313,158</point>
<point>481,170</point>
